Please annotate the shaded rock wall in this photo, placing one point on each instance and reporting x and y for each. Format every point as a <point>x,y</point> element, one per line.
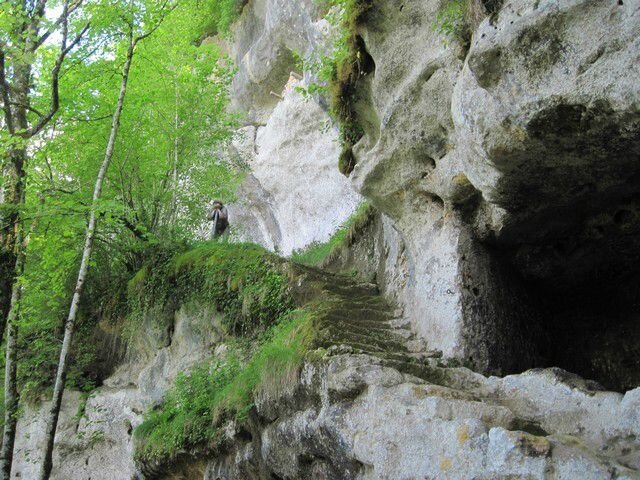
<point>509,170</point>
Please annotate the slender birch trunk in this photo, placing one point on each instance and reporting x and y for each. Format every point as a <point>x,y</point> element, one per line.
<point>176,146</point>
<point>58,390</point>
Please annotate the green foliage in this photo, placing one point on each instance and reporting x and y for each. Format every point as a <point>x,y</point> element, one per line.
<point>186,418</point>
<point>166,170</point>
<point>223,388</point>
<point>243,281</point>
<point>453,22</point>
<point>316,254</point>
<point>48,284</point>
<point>222,14</point>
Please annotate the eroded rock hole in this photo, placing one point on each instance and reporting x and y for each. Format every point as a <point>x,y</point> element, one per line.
<point>353,102</point>
<point>492,6</point>
<point>593,329</point>
<point>581,313</point>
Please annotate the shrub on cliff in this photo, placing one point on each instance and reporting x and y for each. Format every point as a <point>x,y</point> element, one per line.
<point>194,412</point>
<point>243,281</point>
<point>222,14</point>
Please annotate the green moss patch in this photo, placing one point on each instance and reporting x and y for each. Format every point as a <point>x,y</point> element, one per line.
<point>341,72</point>
<point>222,14</point>
<point>243,281</point>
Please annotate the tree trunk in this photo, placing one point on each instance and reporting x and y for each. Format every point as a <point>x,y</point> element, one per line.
<point>13,179</point>
<point>58,390</point>
<point>176,146</point>
<point>10,387</point>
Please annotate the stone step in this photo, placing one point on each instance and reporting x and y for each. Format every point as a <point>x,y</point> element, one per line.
<point>361,314</point>
<point>359,347</point>
<point>352,291</point>
<point>421,370</point>
<point>364,327</point>
<point>398,356</point>
<point>369,305</point>
<point>363,341</point>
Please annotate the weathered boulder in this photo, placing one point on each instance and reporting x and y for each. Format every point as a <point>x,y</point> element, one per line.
<point>371,422</point>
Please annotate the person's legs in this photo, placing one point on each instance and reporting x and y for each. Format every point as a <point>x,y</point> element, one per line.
<point>214,227</point>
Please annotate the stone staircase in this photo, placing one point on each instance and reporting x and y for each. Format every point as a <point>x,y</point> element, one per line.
<point>361,321</point>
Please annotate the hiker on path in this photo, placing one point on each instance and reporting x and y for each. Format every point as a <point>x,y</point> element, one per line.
<point>220,218</point>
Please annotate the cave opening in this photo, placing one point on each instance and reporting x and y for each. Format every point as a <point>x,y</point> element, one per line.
<point>593,329</point>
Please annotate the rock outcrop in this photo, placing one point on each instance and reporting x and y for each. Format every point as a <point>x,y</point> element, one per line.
<point>510,172</point>
<point>294,195</point>
<point>94,437</point>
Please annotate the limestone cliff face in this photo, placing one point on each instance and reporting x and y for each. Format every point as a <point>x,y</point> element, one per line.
<point>508,173</point>
<point>370,409</point>
<point>294,194</point>
<point>507,177</point>
<point>511,173</point>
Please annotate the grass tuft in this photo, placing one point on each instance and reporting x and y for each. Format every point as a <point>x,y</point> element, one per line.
<point>457,19</point>
<point>318,254</point>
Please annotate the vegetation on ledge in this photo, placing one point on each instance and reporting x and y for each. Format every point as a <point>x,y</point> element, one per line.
<point>244,281</point>
<point>318,254</point>
<point>267,340</point>
<point>196,408</point>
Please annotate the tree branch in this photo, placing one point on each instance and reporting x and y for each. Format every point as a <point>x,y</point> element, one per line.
<point>170,9</point>
<point>62,18</point>
<point>55,74</point>
<point>27,107</point>
<point>133,228</point>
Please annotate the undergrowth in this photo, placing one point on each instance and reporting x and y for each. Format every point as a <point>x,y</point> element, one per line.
<point>317,253</point>
<point>243,281</point>
<point>195,409</point>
